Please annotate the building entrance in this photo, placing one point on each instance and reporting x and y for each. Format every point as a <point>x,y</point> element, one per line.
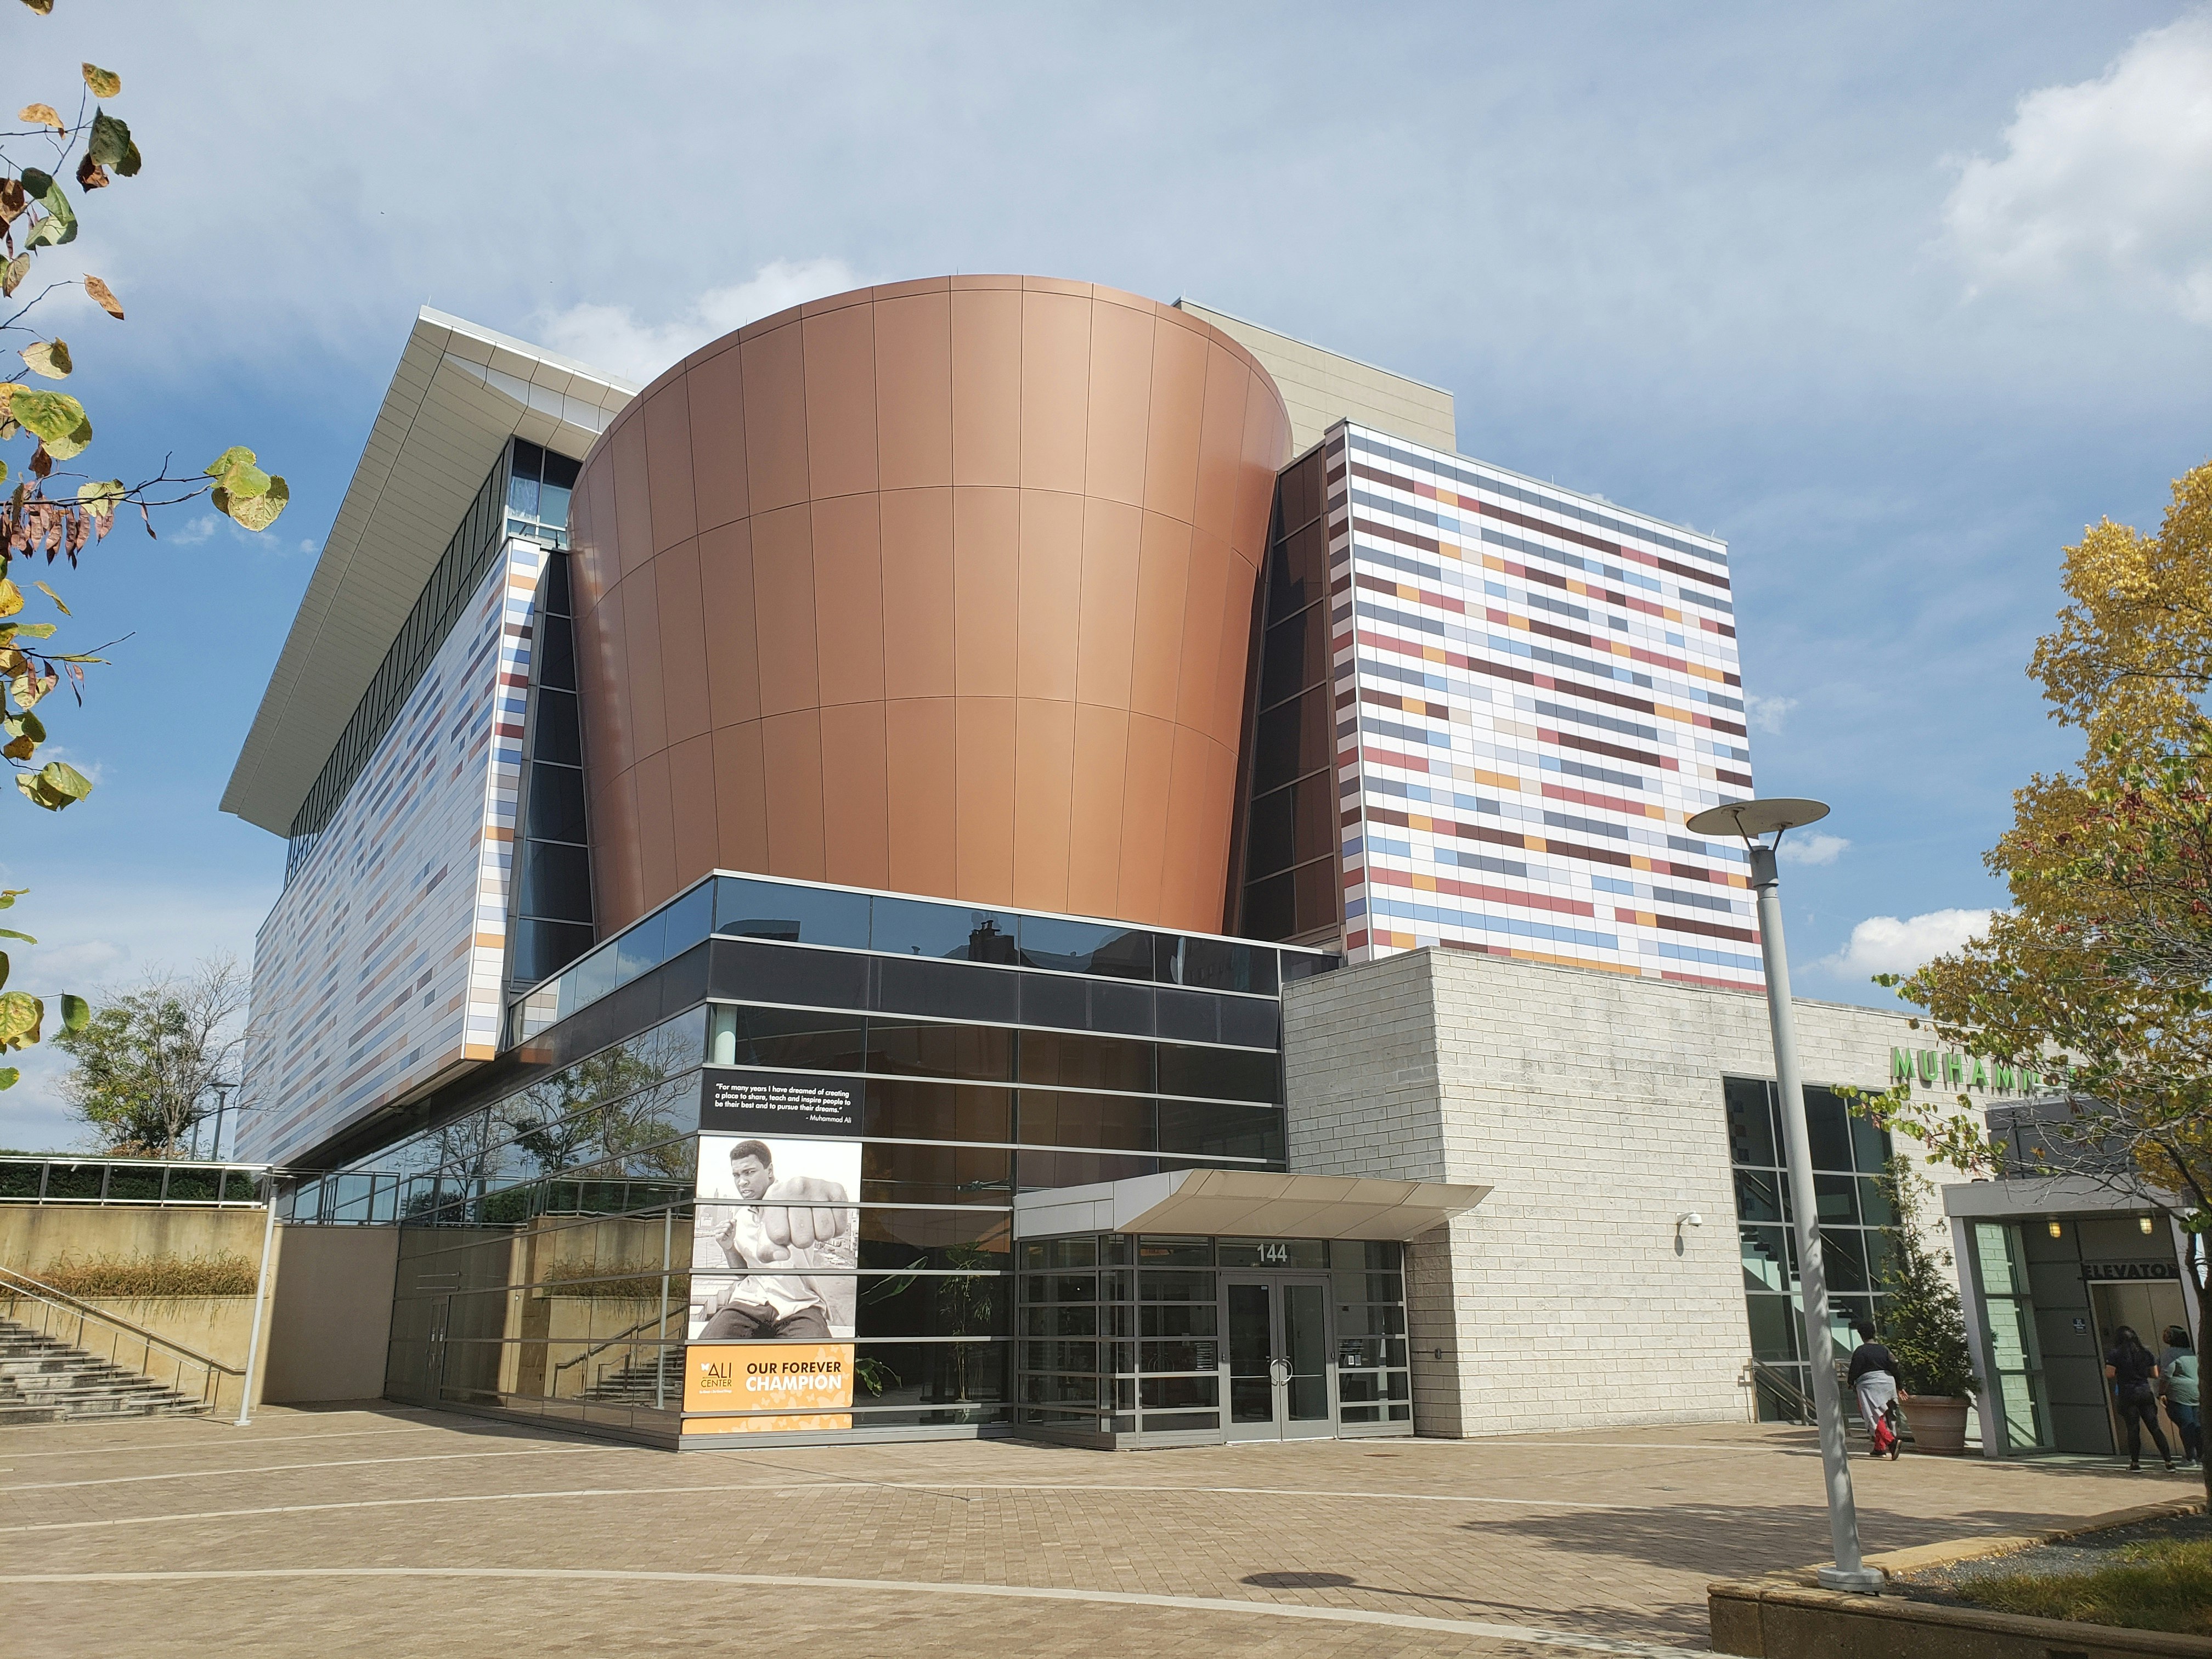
<point>1279,1343</point>
<point>2150,1306</point>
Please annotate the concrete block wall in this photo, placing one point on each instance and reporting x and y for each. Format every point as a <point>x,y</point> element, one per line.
<point>1592,1103</point>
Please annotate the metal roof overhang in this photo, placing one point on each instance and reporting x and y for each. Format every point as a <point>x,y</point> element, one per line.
<point>1246,1204</point>
<point>459,392</point>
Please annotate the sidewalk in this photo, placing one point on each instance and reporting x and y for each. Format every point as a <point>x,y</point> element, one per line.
<point>381,1529</point>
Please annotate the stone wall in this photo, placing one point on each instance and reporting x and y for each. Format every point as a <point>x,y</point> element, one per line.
<point>1591,1102</point>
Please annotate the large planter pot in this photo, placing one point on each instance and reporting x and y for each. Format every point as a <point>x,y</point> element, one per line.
<point>1938,1423</point>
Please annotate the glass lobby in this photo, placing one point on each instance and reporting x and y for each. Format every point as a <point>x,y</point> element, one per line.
<point>547,1203</point>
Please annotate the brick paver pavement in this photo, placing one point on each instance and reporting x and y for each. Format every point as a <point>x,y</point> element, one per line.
<point>385,1531</point>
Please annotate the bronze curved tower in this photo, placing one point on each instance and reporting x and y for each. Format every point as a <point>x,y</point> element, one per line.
<point>942,587</point>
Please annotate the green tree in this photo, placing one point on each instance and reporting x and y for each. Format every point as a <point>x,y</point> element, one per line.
<point>2099,975</point>
<point>56,509</point>
<point>1923,1325</point>
<point>148,1059</point>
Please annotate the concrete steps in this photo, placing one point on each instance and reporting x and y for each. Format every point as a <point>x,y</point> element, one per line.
<point>45,1380</point>
<point>635,1385</point>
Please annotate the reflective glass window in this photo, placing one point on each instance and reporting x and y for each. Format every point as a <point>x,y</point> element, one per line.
<point>1086,1062</point>
<point>950,932</point>
<point>809,915</point>
<point>1086,947</point>
<point>788,1037</point>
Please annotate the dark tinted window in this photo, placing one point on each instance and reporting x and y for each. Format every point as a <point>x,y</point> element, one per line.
<point>1204,1129</point>
<point>553,731</point>
<point>1191,1016</point>
<point>1054,1001</point>
<point>934,1175</point>
<point>1086,1062</point>
<point>916,928</point>
<point>913,1049</point>
<point>809,915</point>
<point>556,804</point>
<point>1086,947</point>
<point>771,972</point>
<point>1294,738</point>
<point>1223,1072</point>
<point>1215,964</point>
<point>691,918</point>
<point>555,661</point>
<point>787,1037</point>
<point>557,882</point>
<point>1831,1129</point>
<point>955,990</point>
<point>938,1111</point>
<point>1122,1008</point>
<point>1051,1119</point>
<point>1750,1121</point>
<point>542,949</point>
<point>1256,1025</point>
<point>1033,1170</point>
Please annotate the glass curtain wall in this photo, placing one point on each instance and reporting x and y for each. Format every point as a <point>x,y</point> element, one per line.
<point>1291,832</point>
<point>1856,1223</point>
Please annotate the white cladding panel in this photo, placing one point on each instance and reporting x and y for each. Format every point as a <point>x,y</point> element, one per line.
<point>381,966</point>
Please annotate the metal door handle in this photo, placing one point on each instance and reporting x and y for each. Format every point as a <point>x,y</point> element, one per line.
<point>1284,1376</point>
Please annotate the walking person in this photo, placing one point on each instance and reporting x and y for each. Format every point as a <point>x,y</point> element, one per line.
<point>2178,1361</point>
<point>1873,1378</point>
<point>2134,1372</point>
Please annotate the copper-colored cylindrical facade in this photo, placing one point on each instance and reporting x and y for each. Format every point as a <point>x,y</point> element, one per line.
<point>942,587</point>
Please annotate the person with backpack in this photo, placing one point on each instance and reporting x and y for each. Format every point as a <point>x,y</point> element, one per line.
<point>2134,1372</point>
<point>1873,1378</point>
<point>2178,1361</point>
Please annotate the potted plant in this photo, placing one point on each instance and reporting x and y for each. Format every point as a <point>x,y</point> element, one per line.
<point>1923,1324</point>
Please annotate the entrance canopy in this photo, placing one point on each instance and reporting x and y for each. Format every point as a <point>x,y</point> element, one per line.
<point>1246,1203</point>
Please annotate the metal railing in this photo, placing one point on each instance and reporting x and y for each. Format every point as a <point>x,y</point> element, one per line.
<point>59,1312</point>
<point>131,1180</point>
<point>659,1345</point>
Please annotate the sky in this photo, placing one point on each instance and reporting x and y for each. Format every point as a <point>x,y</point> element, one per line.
<point>1896,298</point>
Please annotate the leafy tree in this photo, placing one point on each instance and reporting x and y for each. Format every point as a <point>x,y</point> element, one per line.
<point>148,1061</point>
<point>2099,975</point>
<point>55,509</point>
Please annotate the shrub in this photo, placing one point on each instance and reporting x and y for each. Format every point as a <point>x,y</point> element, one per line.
<point>1924,1327</point>
<point>152,1275</point>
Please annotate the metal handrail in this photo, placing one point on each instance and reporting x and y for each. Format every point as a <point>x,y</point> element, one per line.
<point>37,1181</point>
<point>658,1320</point>
<point>15,1285</point>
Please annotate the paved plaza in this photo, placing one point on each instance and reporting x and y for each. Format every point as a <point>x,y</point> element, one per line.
<point>379,1529</point>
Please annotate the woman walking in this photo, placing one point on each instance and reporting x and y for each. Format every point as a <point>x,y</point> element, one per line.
<point>1873,1378</point>
<point>2178,1361</point>
<point>2134,1372</point>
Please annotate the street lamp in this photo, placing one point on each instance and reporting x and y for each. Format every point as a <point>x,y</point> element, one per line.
<point>1749,820</point>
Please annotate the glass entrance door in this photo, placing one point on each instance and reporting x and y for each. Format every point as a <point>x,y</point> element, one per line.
<point>1279,1353</point>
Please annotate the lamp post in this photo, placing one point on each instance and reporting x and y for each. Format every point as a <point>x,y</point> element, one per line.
<point>1750,820</point>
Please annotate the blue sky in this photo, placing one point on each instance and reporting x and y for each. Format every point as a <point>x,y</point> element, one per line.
<point>1896,298</point>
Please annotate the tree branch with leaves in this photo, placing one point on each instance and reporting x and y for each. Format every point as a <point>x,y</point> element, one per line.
<point>55,510</point>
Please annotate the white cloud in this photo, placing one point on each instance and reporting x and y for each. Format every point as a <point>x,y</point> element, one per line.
<point>1767,713</point>
<point>1883,944</point>
<point>197,531</point>
<point>2107,181</point>
<point>1817,847</point>
<point>611,337</point>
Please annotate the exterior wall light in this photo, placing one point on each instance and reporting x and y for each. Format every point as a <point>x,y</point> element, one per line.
<point>1692,1218</point>
<point>2058,1231</point>
<point>2144,1222</point>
